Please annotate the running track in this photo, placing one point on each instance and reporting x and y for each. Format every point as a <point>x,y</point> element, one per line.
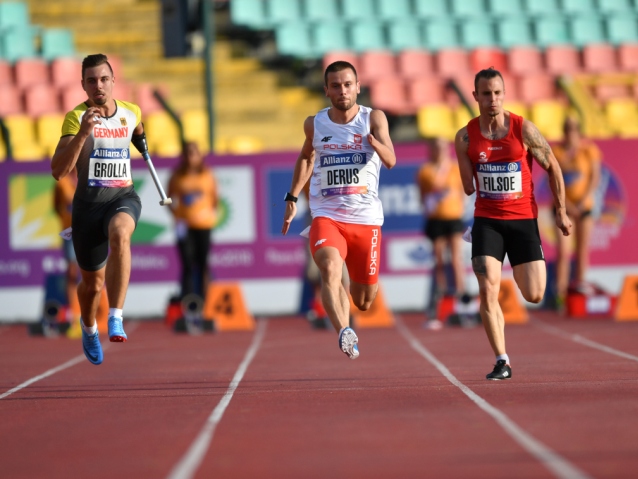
<point>284,402</point>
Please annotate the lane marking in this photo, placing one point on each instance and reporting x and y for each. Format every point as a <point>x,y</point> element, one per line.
<point>577,338</point>
<point>61,367</point>
<point>555,463</point>
<point>190,462</point>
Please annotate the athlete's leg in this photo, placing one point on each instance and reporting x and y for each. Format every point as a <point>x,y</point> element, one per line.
<point>488,274</point>
<point>333,295</point>
<point>584,228</point>
<point>563,256</point>
<point>438,247</point>
<point>118,266</point>
<point>456,253</point>
<point>531,279</point>
<point>185,247</point>
<point>89,292</point>
<point>363,294</point>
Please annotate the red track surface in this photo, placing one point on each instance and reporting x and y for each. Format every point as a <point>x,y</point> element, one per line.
<point>303,409</point>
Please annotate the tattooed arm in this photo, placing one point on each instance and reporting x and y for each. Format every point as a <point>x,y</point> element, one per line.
<point>461,144</point>
<point>537,145</point>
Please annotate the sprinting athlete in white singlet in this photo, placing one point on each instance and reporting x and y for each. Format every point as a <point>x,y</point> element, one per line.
<point>342,155</point>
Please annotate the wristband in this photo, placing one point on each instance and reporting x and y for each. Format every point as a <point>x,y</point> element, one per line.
<point>290,197</point>
<point>139,142</point>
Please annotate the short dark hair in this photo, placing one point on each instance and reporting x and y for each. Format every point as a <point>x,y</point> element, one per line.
<point>95,60</point>
<point>488,74</point>
<point>337,67</point>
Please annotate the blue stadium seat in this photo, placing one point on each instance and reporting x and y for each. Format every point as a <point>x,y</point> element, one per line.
<point>294,39</point>
<point>393,9</point>
<point>404,34</point>
<point>441,33</point>
<point>479,33</point>
<point>329,36</point>
<point>324,10</point>
<point>550,31</point>
<point>17,43</point>
<point>430,8</point>
<point>358,9</point>
<point>621,29</point>
<point>368,35</point>
<point>57,42</point>
<point>464,9</point>
<point>586,30</point>
<point>505,8</point>
<point>614,6</point>
<point>542,7</point>
<point>585,7</point>
<point>282,11</point>
<point>513,31</point>
<point>13,14</point>
<point>249,13</point>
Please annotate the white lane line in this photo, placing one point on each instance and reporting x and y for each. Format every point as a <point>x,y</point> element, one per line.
<point>57,369</point>
<point>577,338</point>
<point>190,462</point>
<point>555,463</point>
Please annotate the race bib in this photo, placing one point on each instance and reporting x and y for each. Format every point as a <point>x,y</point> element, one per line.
<point>500,181</point>
<point>110,168</point>
<point>344,174</point>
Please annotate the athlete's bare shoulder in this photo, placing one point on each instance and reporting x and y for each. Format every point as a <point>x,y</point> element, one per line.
<point>309,126</point>
<point>462,139</point>
<point>536,144</point>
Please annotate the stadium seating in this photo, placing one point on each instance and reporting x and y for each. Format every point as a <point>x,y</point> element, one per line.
<point>413,64</point>
<point>10,100</point>
<point>326,10</point>
<point>483,58</point>
<point>6,74</point>
<point>525,60</point>
<point>374,65</point>
<point>390,95</point>
<point>57,42</point>
<point>31,71</point>
<point>562,60</point>
<point>195,124</point>
<point>426,90</point>
<point>23,138</point>
<point>599,58</point>
<point>622,117</point>
<point>65,70</point>
<point>328,37</point>
<point>404,34</point>
<point>71,96</point>
<point>40,99</point>
<point>549,116</point>
<point>436,120</point>
<point>452,62</point>
<point>49,128</point>
<point>162,134</point>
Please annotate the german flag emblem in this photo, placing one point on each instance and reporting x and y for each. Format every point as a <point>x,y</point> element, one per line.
<point>123,121</point>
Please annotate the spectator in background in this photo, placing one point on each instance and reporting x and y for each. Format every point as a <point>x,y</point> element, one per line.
<point>63,203</point>
<point>579,160</point>
<point>194,191</point>
<point>442,194</point>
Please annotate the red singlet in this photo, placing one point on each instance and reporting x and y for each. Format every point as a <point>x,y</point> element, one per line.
<point>503,173</point>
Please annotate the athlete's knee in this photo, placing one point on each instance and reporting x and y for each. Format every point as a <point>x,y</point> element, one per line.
<point>91,285</point>
<point>119,238</point>
<point>363,304</point>
<point>534,295</point>
<point>331,269</point>
<point>488,293</point>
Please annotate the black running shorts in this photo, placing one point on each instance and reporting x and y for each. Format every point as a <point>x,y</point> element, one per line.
<point>90,222</point>
<point>519,239</point>
<point>436,228</point>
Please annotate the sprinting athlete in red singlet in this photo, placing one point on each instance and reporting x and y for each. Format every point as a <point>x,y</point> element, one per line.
<point>495,152</point>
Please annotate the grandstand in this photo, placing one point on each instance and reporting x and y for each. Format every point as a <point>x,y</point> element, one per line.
<point>416,60</point>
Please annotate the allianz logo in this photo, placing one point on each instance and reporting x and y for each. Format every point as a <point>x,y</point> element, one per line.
<point>400,200</point>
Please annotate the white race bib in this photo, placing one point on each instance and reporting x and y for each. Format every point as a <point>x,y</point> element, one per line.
<point>500,181</point>
<point>110,168</point>
<point>344,174</point>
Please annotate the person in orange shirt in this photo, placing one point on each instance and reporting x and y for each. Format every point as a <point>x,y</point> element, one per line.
<point>63,203</point>
<point>579,160</point>
<point>442,193</point>
<point>194,191</point>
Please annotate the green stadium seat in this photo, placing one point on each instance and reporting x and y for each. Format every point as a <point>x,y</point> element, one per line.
<point>430,8</point>
<point>368,35</point>
<point>571,7</point>
<point>614,6</point>
<point>440,34</point>
<point>57,42</point>
<point>505,8</point>
<point>513,32</point>
<point>404,34</point>
<point>317,11</point>
<point>478,33</point>
<point>329,36</point>
<point>13,15</point>
<point>621,29</point>
<point>464,9</point>
<point>542,7</point>
<point>551,31</point>
<point>294,39</point>
<point>586,30</point>
<point>358,9</point>
<point>249,13</point>
<point>393,9</point>
<point>282,11</point>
